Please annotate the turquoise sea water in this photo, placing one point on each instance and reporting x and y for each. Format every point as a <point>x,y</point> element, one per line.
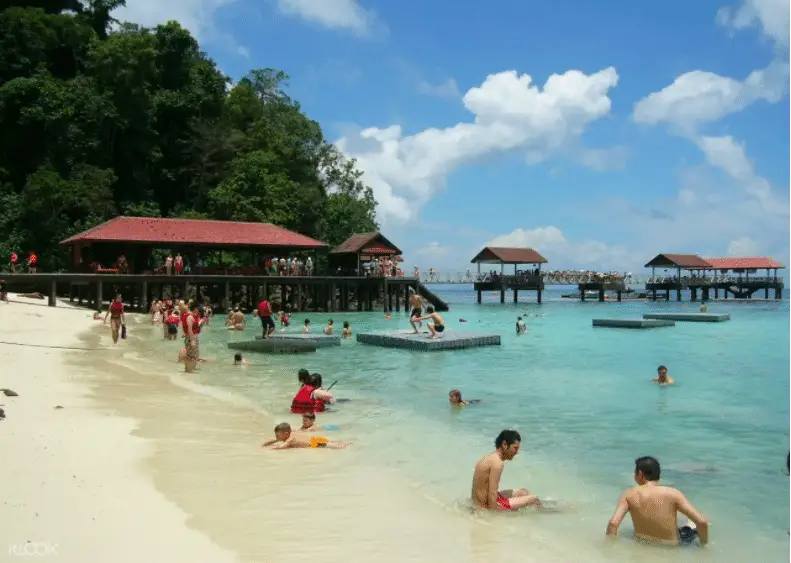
<point>582,399</point>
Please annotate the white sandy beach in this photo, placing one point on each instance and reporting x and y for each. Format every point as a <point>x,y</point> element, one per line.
<point>73,486</point>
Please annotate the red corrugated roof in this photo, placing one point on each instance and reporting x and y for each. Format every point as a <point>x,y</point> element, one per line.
<point>757,263</point>
<point>686,261</point>
<point>356,243</point>
<point>498,255</point>
<point>194,231</point>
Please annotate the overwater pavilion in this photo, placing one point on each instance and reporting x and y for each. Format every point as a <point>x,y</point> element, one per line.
<point>678,262</point>
<point>529,281</point>
<point>351,255</point>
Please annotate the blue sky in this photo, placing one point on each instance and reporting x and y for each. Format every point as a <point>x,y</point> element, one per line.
<point>663,127</point>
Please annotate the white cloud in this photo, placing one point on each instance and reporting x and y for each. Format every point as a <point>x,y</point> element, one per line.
<point>562,253</point>
<point>433,250</point>
<point>771,16</point>
<point>447,89</point>
<point>195,15</point>
<point>509,113</point>
<point>744,246</point>
<point>699,97</point>
<point>334,14</point>
<point>730,156</point>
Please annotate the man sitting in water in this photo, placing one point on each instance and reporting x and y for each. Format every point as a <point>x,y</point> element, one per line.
<point>285,439</point>
<point>662,377</point>
<point>347,330</point>
<point>437,324</point>
<point>329,328</point>
<point>455,400</point>
<point>654,509</point>
<point>486,477</point>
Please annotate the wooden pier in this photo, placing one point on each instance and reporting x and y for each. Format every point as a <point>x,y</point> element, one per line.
<point>708,277</point>
<point>301,293</point>
<point>530,280</point>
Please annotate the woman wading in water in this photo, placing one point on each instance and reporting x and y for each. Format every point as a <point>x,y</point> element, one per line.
<point>117,317</point>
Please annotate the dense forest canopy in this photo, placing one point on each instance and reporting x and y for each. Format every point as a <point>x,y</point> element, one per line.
<point>96,123</point>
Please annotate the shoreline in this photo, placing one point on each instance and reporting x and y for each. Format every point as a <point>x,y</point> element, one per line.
<point>75,488</point>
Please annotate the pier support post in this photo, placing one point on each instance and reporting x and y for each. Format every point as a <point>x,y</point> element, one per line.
<point>582,293</point>
<point>385,292</point>
<point>678,295</point>
<point>479,297</point>
<point>227,300</point>
<point>53,294</point>
<point>667,294</point>
<point>705,294</point>
<point>778,292</point>
<point>694,292</point>
<point>516,295</point>
<point>538,296</point>
<point>766,292</point>
<point>398,290</point>
<point>143,296</point>
<point>618,293</point>
<point>716,293</point>
<point>653,294</point>
<point>358,295</point>
<point>601,294</point>
<point>333,295</point>
<point>99,295</point>
<point>369,297</point>
<point>502,294</point>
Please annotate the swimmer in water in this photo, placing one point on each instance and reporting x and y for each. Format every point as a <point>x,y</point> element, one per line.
<point>306,327</point>
<point>455,400</point>
<point>520,326</point>
<point>330,326</point>
<point>238,360</point>
<point>662,378</point>
<point>309,423</point>
<point>654,509</point>
<point>486,477</point>
<point>286,439</point>
<point>347,330</point>
<point>703,307</point>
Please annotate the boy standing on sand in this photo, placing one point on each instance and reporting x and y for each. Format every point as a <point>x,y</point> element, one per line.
<point>486,477</point>
<point>285,439</point>
<point>654,509</point>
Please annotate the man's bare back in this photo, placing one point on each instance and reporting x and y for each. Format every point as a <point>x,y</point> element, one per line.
<point>653,509</point>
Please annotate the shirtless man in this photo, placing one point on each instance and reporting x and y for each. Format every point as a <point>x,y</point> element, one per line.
<point>238,321</point>
<point>285,439</point>
<point>486,478</point>
<point>520,326</point>
<point>416,310</point>
<point>662,377</point>
<point>437,324</point>
<point>329,328</point>
<point>654,510</point>
<point>309,423</point>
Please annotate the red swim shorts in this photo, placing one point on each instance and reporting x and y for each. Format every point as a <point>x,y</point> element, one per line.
<point>503,502</point>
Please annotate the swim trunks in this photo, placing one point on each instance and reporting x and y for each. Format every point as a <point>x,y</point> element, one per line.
<point>173,329</point>
<point>687,536</point>
<point>503,502</point>
<point>439,328</point>
<point>267,323</point>
<point>416,312</point>
<point>318,442</point>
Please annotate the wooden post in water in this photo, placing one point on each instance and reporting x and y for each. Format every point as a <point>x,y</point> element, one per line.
<point>53,294</point>
<point>516,294</point>
<point>99,296</point>
<point>143,296</point>
<point>618,293</point>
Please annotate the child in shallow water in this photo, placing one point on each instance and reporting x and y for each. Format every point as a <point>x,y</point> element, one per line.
<point>286,439</point>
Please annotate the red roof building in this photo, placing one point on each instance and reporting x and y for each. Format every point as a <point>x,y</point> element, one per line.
<point>193,232</point>
<point>501,255</point>
<point>679,261</point>
<point>751,263</point>
<point>367,244</point>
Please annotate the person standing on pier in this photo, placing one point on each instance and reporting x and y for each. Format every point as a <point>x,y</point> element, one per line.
<point>169,265</point>
<point>14,261</point>
<point>31,263</point>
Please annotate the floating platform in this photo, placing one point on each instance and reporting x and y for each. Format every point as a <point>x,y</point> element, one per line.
<point>322,340</point>
<point>408,340</point>
<point>689,317</point>
<point>275,346</point>
<point>633,323</point>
